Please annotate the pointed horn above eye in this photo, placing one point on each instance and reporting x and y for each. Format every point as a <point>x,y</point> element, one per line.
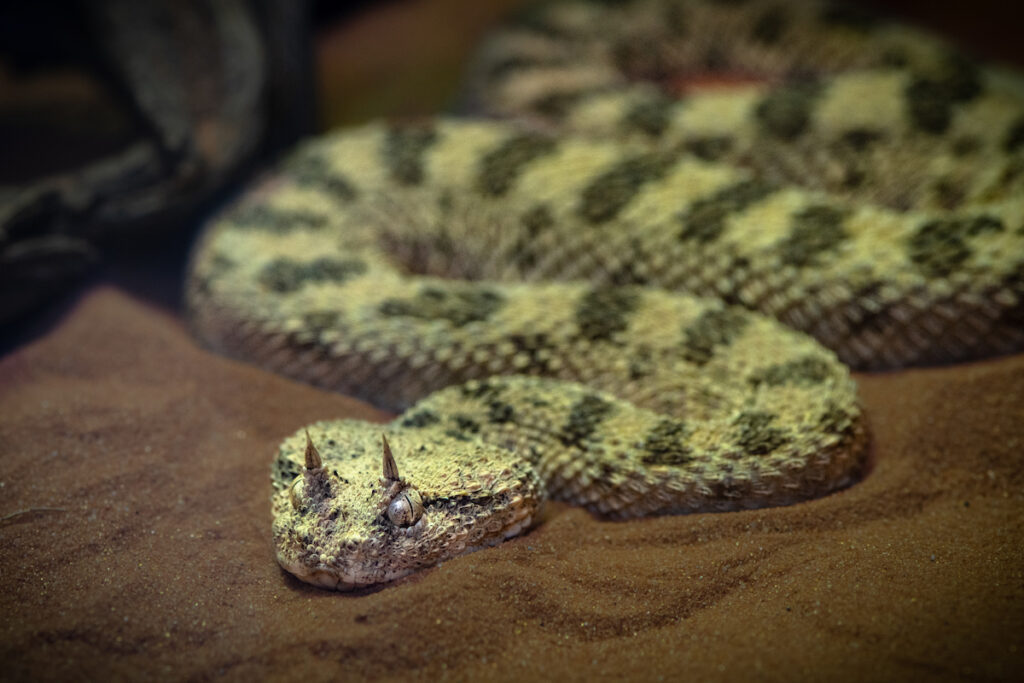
<point>313,460</point>
<point>390,468</point>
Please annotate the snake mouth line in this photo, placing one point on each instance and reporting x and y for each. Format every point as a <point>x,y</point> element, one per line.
<point>325,578</point>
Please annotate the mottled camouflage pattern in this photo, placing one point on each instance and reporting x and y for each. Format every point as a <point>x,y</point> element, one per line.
<point>588,315</point>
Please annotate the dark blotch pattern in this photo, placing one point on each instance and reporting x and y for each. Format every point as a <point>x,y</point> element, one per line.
<point>604,311</point>
<point>641,364</point>
<point>584,417</point>
<point>485,389</point>
<point>836,420</point>
<point>500,167</point>
<point>611,191</point>
<point>650,116</point>
<point>263,217</point>
<point>930,99</point>
<point>664,444</point>
<point>499,412</point>
<point>458,306</point>
<point>219,264</point>
<point>285,275</point>
<point>705,219</point>
<point>939,247</point>
<point>816,229</point>
<point>965,145</point>
<point>807,370</point>
<point>712,329</point>
<point>629,270</point>
<point>557,105</point>
<point>756,435</point>
<point>464,428</point>
<point>404,147</point>
<point>526,251</point>
<point>710,148</point>
<point>533,345</point>
<point>313,170</point>
<point>860,139</point>
<point>949,192</point>
<point>285,469</point>
<point>537,219</point>
<point>420,419</point>
<point>786,113</point>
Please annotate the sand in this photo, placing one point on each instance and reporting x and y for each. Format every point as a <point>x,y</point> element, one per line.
<point>135,542</point>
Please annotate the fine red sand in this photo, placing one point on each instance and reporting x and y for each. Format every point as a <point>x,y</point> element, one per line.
<point>136,542</point>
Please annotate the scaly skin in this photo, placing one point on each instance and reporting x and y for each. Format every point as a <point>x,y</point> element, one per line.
<point>632,317</point>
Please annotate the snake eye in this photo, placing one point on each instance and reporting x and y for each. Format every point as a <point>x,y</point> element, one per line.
<point>406,509</point>
<point>296,492</point>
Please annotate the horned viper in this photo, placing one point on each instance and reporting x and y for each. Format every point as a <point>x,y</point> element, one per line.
<point>627,293</point>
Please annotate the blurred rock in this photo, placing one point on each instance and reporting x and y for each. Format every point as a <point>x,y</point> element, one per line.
<point>120,119</point>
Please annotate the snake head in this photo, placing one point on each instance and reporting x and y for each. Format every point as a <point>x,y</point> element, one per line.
<point>346,517</point>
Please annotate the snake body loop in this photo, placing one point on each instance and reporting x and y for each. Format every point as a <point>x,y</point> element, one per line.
<point>633,295</point>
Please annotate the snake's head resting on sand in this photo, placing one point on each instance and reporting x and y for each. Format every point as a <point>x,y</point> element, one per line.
<point>345,518</point>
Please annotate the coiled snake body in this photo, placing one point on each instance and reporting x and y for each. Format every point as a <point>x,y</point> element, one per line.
<point>652,313</point>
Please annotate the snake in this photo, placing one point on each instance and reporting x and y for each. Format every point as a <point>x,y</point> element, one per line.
<point>633,275</point>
